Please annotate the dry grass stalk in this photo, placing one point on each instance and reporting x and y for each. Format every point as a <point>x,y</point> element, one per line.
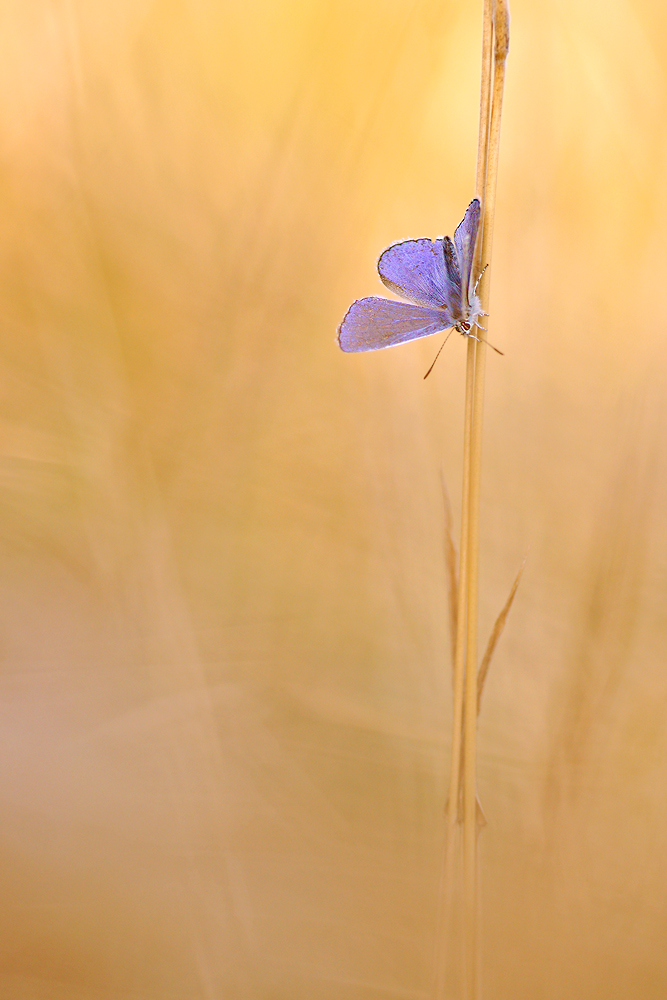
<point>495,44</point>
<point>452,570</point>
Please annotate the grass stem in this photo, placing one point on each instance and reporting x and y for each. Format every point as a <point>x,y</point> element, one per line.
<point>495,43</point>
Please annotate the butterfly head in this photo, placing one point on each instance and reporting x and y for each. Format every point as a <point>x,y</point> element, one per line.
<point>474,313</point>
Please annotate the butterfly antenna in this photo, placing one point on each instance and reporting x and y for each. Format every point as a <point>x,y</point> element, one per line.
<point>479,278</point>
<point>438,354</point>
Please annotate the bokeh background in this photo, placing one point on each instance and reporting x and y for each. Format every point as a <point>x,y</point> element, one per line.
<point>225,677</point>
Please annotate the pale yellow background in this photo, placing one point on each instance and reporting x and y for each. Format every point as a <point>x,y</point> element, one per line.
<point>224,684</point>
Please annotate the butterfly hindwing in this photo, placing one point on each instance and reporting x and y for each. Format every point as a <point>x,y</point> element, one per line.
<point>372,323</point>
<point>454,279</point>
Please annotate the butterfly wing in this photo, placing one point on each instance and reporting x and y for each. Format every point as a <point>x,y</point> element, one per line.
<point>465,239</point>
<point>416,271</point>
<point>373,323</point>
<point>453,273</point>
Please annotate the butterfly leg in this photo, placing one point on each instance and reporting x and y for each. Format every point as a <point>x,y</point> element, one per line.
<point>480,340</point>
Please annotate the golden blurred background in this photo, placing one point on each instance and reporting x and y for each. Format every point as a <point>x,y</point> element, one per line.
<point>225,654</point>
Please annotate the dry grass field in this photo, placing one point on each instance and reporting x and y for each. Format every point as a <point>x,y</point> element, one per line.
<point>224,647</point>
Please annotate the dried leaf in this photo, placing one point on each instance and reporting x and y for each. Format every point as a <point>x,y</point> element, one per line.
<point>495,635</point>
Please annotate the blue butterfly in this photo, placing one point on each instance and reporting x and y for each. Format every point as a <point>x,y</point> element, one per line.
<point>436,278</point>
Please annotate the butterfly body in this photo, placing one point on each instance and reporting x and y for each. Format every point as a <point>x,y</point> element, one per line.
<point>435,276</point>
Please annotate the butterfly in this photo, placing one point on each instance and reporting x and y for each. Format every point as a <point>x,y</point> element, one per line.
<point>435,276</point>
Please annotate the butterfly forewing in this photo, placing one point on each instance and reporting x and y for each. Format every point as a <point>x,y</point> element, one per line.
<point>465,239</point>
<point>372,323</point>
